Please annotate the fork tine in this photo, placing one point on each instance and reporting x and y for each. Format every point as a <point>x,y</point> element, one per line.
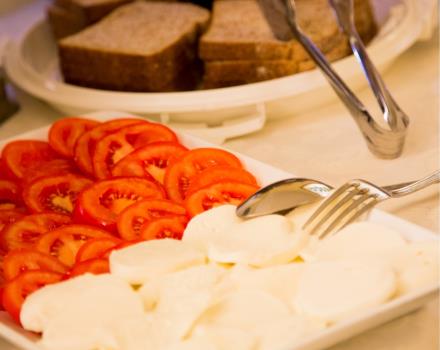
<point>362,211</point>
<point>330,206</point>
<point>346,215</point>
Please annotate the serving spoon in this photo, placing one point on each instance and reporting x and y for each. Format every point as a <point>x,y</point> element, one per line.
<point>283,196</point>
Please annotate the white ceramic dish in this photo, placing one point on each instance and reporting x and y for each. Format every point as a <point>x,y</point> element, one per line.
<point>267,174</point>
<point>32,64</point>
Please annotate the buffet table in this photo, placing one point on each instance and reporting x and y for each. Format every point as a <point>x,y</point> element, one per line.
<point>325,144</point>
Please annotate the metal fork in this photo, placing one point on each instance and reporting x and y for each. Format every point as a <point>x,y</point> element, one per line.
<point>356,198</point>
<point>384,142</point>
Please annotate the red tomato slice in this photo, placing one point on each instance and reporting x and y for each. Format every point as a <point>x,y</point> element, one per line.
<point>112,148</point>
<point>134,217</point>
<point>150,161</point>
<point>220,173</point>
<point>54,193</point>
<point>21,260</point>
<point>17,290</point>
<point>218,194</point>
<point>179,174</point>
<point>64,133</point>
<point>101,203</point>
<point>94,266</point>
<point>9,216</point>
<point>52,167</point>
<point>95,248</point>
<point>10,195</point>
<point>64,243</point>
<point>171,227</point>
<point>19,156</point>
<point>5,174</point>
<point>26,231</point>
<point>122,245</point>
<point>86,143</point>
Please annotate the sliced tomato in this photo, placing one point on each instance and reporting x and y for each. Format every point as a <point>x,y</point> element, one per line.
<point>178,176</point>
<point>218,194</point>
<point>95,266</point>
<point>150,161</point>
<point>64,243</point>
<point>101,203</point>
<point>24,232</point>
<point>21,260</point>
<point>17,290</point>
<point>56,193</point>
<point>19,156</point>
<point>9,216</point>
<point>135,216</point>
<point>122,245</point>
<point>86,143</point>
<point>10,195</point>
<point>112,148</point>
<point>5,174</point>
<point>50,168</point>
<point>220,173</point>
<point>170,227</point>
<point>96,247</point>
<point>64,133</point>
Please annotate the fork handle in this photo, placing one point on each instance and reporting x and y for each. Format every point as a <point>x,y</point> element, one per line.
<point>406,188</point>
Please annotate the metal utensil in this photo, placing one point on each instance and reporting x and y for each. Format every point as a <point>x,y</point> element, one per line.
<point>283,196</point>
<point>355,198</point>
<point>384,142</point>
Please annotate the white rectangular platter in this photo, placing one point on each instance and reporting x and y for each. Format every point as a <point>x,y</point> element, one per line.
<point>267,174</point>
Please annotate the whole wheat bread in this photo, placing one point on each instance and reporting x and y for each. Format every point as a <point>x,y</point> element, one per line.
<point>240,39</point>
<point>143,46</point>
<point>70,16</point>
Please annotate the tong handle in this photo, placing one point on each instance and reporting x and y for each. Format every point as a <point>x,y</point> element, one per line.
<point>384,143</point>
<point>393,115</point>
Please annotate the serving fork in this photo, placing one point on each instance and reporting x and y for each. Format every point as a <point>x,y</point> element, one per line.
<point>355,198</point>
<point>383,141</point>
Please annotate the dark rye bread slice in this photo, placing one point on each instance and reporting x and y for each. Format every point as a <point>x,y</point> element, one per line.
<point>239,31</point>
<point>220,74</point>
<point>143,46</point>
<point>67,17</point>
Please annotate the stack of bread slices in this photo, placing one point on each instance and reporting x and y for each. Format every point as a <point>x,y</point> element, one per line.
<point>240,48</point>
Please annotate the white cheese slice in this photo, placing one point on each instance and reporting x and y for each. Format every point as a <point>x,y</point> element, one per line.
<point>280,281</point>
<point>148,260</point>
<point>181,298</point>
<point>360,240</point>
<point>420,268</point>
<point>281,334</point>
<point>81,313</point>
<point>223,338</point>
<point>330,291</point>
<point>244,310</point>
<point>263,241</point>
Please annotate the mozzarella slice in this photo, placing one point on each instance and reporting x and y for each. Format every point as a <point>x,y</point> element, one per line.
<point>281,334</point>
<point>421,267</point>
<point>224,338</point>
<point>148,260</point>
<point>280,281</point>
<point>263,241</point>
<point>81,313</point>
<point>244,310</point>
<point>360,240</point>
<point>333,290</point>
<point>182,297</point>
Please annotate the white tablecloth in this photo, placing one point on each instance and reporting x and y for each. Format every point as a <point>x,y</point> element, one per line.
<point>325,144</point>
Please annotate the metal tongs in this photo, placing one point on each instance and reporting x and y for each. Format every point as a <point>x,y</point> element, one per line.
<point>384,142</point>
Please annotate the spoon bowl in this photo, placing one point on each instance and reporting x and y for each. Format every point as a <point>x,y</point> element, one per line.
<point>283,196</point>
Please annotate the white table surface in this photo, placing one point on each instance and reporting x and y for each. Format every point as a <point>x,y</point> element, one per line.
<point>325,144</point>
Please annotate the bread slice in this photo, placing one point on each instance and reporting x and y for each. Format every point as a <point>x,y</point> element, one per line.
<point>220,74</point>
<point>70,16</point>
<point>143,46</point>
<point>239,31</point>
